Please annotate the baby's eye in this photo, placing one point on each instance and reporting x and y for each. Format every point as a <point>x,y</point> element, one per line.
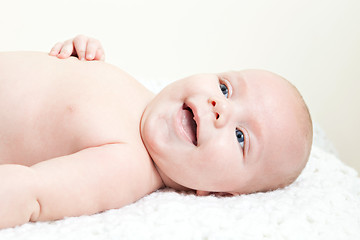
<point>224,89</point>
<point>240,137</point>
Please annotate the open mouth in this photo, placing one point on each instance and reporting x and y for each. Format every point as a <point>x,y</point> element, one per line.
<point>189,124</point>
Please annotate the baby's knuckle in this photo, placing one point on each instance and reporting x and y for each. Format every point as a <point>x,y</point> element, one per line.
<point>80,36</point>
<point>95,41</point>
<point>64,51</point>
<point>68,42</point>
<point>58,44</point>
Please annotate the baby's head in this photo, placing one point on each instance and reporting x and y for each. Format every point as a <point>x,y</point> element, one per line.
<point>234,132</point>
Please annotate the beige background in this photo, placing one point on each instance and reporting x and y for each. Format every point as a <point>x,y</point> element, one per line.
<point>313,43</point>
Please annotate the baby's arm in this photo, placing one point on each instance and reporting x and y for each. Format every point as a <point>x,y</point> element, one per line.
<point>86,182</point>
<point>81,46</point>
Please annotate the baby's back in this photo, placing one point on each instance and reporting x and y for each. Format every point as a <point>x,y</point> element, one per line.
<point>51,107</point>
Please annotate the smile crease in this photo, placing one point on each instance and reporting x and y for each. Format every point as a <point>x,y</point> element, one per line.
<point>189,124</point>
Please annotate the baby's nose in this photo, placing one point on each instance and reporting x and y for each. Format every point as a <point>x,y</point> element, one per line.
<point>220,108</point>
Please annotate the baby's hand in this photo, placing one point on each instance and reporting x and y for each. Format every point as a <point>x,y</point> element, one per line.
<point>81,46</point>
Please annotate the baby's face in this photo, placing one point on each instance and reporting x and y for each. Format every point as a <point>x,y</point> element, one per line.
<point>235,132</point>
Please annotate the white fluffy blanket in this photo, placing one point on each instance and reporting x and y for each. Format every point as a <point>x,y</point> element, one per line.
<point>323,203</point>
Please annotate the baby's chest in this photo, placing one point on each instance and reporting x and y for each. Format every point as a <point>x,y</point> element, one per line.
<point>39,132</point>
<point>101,122</point>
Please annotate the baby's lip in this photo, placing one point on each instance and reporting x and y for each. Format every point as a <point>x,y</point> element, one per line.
<point>186,125</point>
<point>196,118</point>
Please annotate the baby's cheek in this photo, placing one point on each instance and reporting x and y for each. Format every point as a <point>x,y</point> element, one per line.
<point>211,159</point>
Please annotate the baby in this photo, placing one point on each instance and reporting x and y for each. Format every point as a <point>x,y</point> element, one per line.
<point>81,137</point>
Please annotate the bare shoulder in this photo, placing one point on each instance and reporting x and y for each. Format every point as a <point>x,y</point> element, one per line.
<point>25,56</point>
<point>94,180</point>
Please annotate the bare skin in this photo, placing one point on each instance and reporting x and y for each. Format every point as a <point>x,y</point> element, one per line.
<point>79,151</point>
<point>81,137</point>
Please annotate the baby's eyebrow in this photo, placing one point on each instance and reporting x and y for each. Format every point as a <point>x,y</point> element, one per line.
<point>240,84</point>
<point>254,131</point>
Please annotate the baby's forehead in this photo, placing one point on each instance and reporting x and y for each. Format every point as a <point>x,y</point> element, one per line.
<point>268,85</point>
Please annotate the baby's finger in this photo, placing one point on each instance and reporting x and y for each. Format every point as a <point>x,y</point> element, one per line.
<point>100,55</point>
<point>56,49</point>
<point>92,46</point>
<point>80,46</point>
<point>67,49</point>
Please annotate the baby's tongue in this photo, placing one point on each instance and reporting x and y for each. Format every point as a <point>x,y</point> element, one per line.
<point>189,125</point>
